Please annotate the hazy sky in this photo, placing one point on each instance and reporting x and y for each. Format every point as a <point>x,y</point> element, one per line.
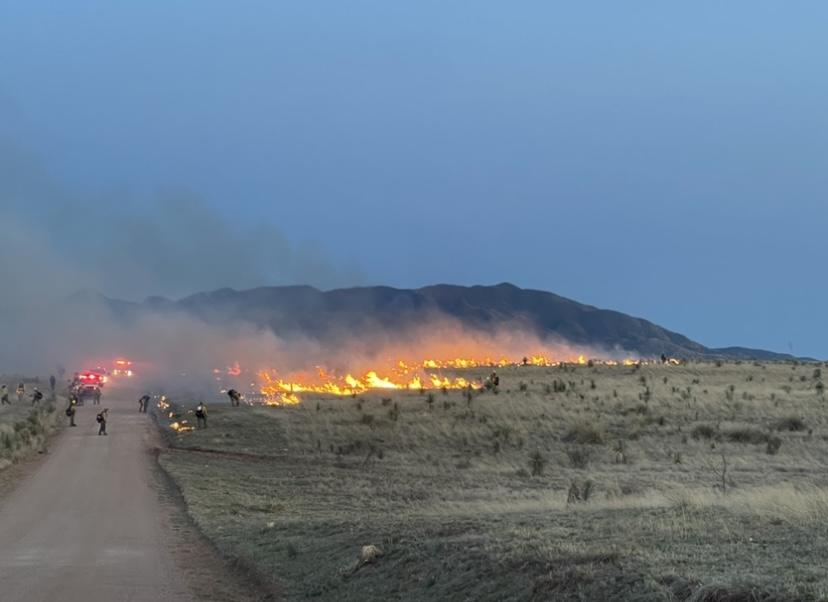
<point>667,161</point>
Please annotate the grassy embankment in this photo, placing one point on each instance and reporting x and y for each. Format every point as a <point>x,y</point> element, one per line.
<point>24,428</point>
<point>586,483</point>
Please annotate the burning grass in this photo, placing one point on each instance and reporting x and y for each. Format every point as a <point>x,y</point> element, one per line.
<point>472,498</point>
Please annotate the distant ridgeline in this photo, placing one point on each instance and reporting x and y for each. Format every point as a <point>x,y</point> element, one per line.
<point>303,310</point>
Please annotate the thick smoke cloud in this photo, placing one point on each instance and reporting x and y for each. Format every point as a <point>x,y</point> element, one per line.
<point>55,243</point>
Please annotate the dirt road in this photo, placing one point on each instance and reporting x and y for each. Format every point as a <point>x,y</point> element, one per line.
<point>88,524</point>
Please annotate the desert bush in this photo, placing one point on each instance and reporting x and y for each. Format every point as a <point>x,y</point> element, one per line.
<point>577,494</point>
<point>790,423</point>
<point>704,431</point>
<point>746,435</point>
<point>536,463</point>
<point>773,445</point>
<point>579,457</point>
<point>584,434</point>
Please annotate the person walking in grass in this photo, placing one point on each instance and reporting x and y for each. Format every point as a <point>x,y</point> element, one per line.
<point>36,396</point>
<point>201,415</point>
<point>101,418</point>
<point>4,395</point>
<point>21,391</point>
<point>52,383</point>
<point>235,397</point>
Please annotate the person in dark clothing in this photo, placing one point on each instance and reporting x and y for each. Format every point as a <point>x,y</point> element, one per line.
<point>235,397</point>
<point>101,418</point>
<point>70,410</point>
<point>97,397</point>
<point>52,383</point>
<point>143,404</point>
<point>201,415</point>
<point>36,396</point>
<point>4,395</point>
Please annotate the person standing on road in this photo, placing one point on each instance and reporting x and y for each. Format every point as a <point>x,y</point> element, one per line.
<point>101,418</point>
<point>70,410</point>
<point>4,395</point>
<point>97,396</point>
<point>201,415</point>
<point>143,404</point>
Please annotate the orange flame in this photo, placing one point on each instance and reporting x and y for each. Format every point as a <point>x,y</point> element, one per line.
<point>400,375</point>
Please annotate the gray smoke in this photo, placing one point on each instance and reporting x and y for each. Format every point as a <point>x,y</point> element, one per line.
<point>55,243</point>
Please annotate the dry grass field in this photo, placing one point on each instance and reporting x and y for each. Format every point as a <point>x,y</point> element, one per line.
<point>705,481</point>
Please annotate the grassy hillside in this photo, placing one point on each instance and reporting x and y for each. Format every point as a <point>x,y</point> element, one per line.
<point>689,482</point>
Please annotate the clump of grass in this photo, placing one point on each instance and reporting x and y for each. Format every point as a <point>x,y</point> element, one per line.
<point>579,494</point>
<point>536,463</point>
<point>773,445</point>
<point>584,434</point>
<point>704,431</point>
<point>790,423</point>
<point>579,457</point>
<point>746,435</point>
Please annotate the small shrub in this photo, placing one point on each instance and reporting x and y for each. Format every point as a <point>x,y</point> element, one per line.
<point>773,445</point>
<point>577,494</point>
<point>537,463</point>
<point>704,431</point>
<point>790,423</point>
<point>523,387</point>
<point>746,435</point>
<point>367,419</point>
<point>584,434</point>
<point>579,457</point>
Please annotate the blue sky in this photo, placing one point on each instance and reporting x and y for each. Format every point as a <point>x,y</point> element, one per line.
<point>663,160</point>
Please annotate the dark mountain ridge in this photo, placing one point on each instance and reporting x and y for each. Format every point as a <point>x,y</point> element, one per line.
<point>305,311</point>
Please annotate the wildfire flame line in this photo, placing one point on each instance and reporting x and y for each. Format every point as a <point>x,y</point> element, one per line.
<point>401,376</point>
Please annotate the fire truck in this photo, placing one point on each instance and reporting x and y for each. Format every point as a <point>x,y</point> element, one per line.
<point>122,367</point>
<point>88,384</point>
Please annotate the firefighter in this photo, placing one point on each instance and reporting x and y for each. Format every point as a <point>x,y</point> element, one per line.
<point>97,397</point>
<point>101,418</point>
<point>21,391</point>
<point>70,410</point>
<point>492,382</point>
<point>4,395</point>
<point>143,404</point>
<point>201,415</point>
<point>36,396</point>
<point>235,397</point>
